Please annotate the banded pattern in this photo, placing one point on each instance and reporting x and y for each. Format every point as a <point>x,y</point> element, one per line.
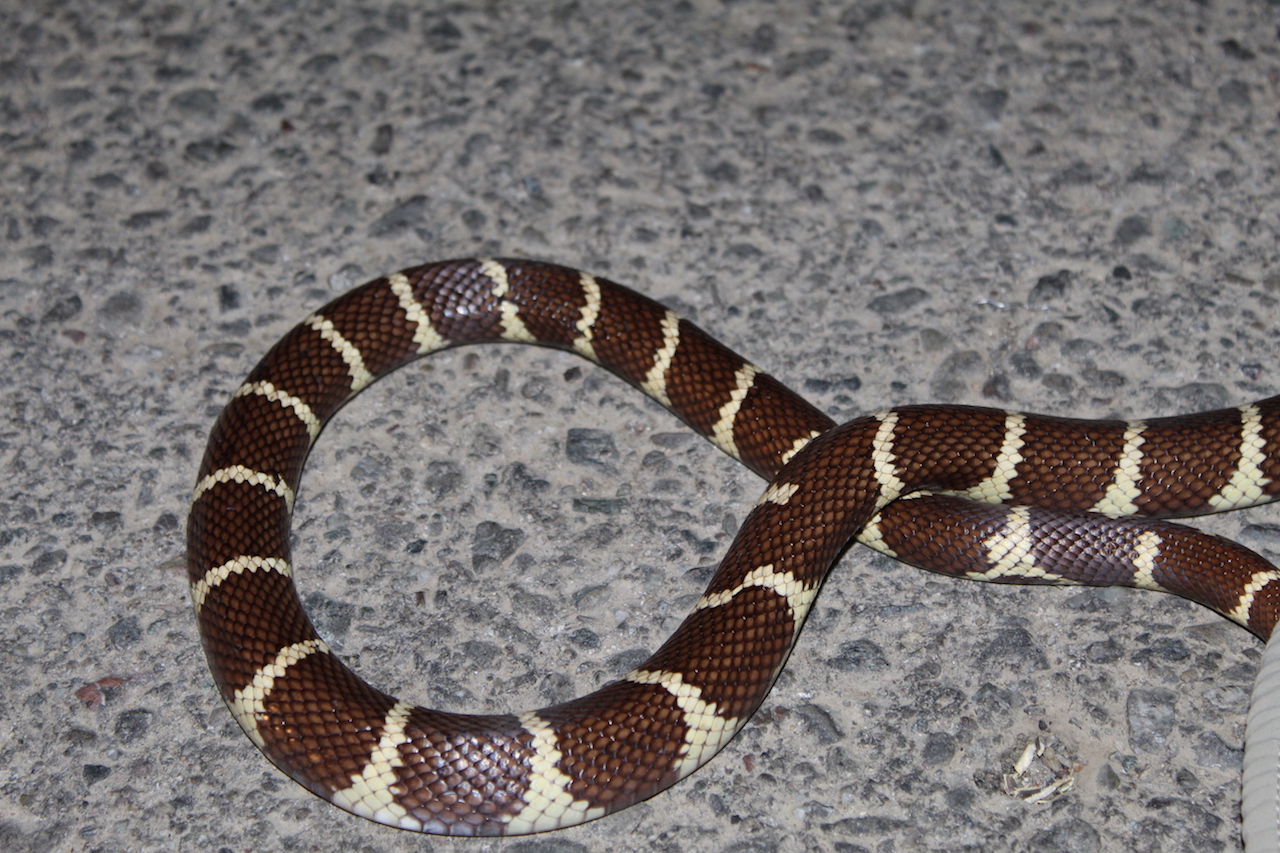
<point>507,774</point>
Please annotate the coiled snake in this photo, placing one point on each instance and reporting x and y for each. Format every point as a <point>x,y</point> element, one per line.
<point>509,774</point>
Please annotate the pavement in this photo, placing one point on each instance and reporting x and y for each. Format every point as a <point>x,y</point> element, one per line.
<point>1067,209</point>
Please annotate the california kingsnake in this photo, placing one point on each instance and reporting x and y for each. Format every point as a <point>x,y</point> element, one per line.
<point>489,775</point>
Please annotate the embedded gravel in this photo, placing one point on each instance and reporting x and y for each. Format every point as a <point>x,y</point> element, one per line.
<point>1067,207</point>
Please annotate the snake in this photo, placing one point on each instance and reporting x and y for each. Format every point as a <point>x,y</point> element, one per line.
<point>971,492</point>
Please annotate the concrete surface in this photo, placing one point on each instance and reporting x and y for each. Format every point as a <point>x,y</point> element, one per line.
<point>1066,207</point>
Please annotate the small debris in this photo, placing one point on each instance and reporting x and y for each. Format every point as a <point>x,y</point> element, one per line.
<point>96,694</point>
<point>1040,774</point>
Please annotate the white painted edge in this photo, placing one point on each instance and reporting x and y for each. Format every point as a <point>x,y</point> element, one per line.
<point>1260,804</point>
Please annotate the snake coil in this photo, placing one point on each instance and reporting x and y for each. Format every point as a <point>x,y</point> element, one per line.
<point>972,492</point>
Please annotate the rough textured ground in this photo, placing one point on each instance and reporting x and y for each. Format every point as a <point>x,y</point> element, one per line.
<point>1065,207</point>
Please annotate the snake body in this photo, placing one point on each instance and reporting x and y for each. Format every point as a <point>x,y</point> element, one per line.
<point>989,494</point>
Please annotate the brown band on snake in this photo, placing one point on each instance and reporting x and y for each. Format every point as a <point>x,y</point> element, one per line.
<point>510,774</point>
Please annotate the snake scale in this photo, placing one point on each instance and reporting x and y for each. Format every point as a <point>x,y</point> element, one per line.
<point>988,494</point>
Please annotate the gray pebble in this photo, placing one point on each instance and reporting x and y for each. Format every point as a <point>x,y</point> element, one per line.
<point>1151,713</point>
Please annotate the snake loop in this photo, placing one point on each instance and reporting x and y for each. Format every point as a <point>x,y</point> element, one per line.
<point>1055,480</point>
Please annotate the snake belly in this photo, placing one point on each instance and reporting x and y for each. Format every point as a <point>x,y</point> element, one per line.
<point>456,774</point>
